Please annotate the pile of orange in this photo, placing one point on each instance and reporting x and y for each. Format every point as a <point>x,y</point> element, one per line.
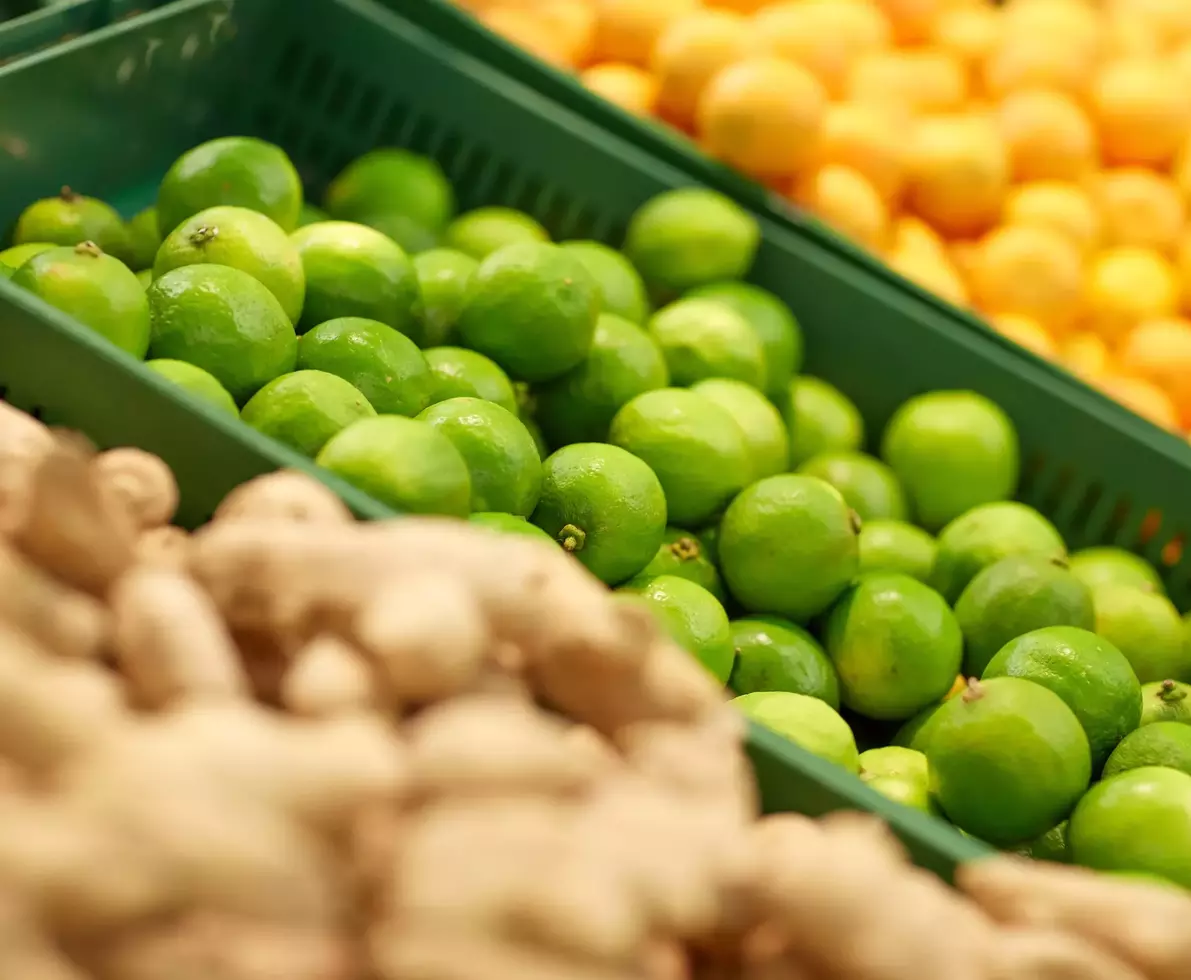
<point>1031,160</point>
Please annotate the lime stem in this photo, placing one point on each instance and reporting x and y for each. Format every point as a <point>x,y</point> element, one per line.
<point>88,248</point>
<point>67,194</point>
<point>1171,693</point>
<point>855,521</point>
<point>974,691</point>
<point>203,235</point>
<point>1060,561</point>
<point>572,538</point>
<point>685,549</point>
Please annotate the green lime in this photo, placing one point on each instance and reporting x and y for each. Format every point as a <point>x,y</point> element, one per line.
<point>145,278</point>
<point>1115,566</point>
<point>144,239</point>
<point>1051,846</point>
<point>895,645</point>
<point>382,363</point>
<point>13,258</point>
<point>820,419</point>
<point>773,654</point>
<point>506,471</point>
<point>94,288</point>
<point>681,554</point>
<point>621,290</point>
<point>709,538</point>
<point>532,308</point>
<point>694,619</point>
<point>807,721</point>
<point>895,546</point>
<point>1091,676</point>
<point>900,774</point>
<point>244,240</point>
<point>1165,700</point>
<point>695,447</point>
<point>1164,743</point>
<point>986,534</point>
<point>71,219</point>
<point>765,435</point>
<point>703,338</point>
<point>788,546</point>
<point>1017,595</point>
<point>308,214</point>
<point>531,426</point>
<point>915,733</point>
<point>304,409</point>
<point>197,382</point>
<point>224,321</point>
<point>509,524</point>
<point>605,506</point>
<point>237,170</point>
<point>868,485</point>
<point>404,463</point>
<point>1138,820</point>
<point>1008,759</point>
<point>388,180</point>
<point>404,230</point>
<point>456,372</point>
<point>443,277</point>
<point>772,321</point>
<point>691,237</point>
<point>483,231</point>
<point>1146,628</point>
<point>353,270</point>
<point>952,450</point>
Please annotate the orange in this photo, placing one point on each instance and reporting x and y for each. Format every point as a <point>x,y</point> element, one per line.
<point>1139,207</point>
<point>1029,60</point>
<point>1169,20</point>
<point>1180,64</point>
<point>964,255</point>
<point>1146,399</point>
<point>1183,270</point>
<point>763,115</point>
<point>868,140</point>
<point>922,80</point>
<point>932,272</point>
<point>630,87</point>
<point>1071,23</point>
<point>1159,351</point>
<point>739,6</point>
<point>1140,111</point>
<point>1048,135</point>
<point>573,23</point>
<point>1029,333</point>
<point>1128,35</point>
<point>846,201</point>
<point>970,34</point>
<point>1085,354</point>
<point>627,30</point>
<point>1033,272</point>
<point>689,52</point>
<point>912,20</point>
<point>1062,207</point>
<point>915,236</point>
<point>1126,285</point>
<point>524,28</point>
<point>1181,171</point>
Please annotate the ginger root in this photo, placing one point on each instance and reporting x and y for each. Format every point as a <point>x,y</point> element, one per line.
<point>142,482</point>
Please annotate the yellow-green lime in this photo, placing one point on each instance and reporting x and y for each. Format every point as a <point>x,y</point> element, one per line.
<point>788,546</point>
<point>765,435</point>
<point>13,258</point>
<point>986,534</point>
<point>691,237</point>
<point>709,538</point>
<point>535,432</point>
<point>1008,759</point>
<point>304,409</point>
<point>807,721</point>
<point>383,364</point>
<point>195,381</point>
<point>506,471</point>
<point>681,554</point>
<point>71,219</point>
<point>915,733</point>
<point>456,372</point>
<point>404,230</point>
<point>224,321</point>
<point>604,506</point>
<point>392,181</point>
<point>1165,700</point>
<point>443,277</point>
<point>774,654</point>
<point>1017,595</point>
<point>1051,846</point>
<point>693,445</point>
<point>868,485</point>
<point>483,231</point>
<point>308,214</point>
<point>509,524</point>
<point>144,239</point>
<point>237,170</point>
<point>145,278</point>
<point>1146,628</point>
<point>694,619</point>
<point>404,463</point>
<point>703,338</point>
<point>1164,743</point>
<point>820,419</point>
<point>1115,566</point>
<point>1091,676</point>
<point>621,290</point>
<point>95,289</point>
<point>899,774</point>
<point>895,546</point>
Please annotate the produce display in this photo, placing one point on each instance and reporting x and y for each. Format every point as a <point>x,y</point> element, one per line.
<point>1043,184</point>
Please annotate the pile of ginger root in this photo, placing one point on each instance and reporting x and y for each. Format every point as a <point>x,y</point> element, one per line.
<point>291,746</point>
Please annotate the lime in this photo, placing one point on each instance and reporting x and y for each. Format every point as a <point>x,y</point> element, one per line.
<point>773,654</point>
<point>696,449</point>
<point>404,463</point>
<point>1146,628</point>
<point>145,278</point>
<point>691,237</point>
<point>532,308</point>
<point>895,645</point>
<point>483,231</point>
<point>915,733</point>
<point>765,436</point>
<point>1051,846</point>
<point>900,774</point>
<point>774,324</point>
<point>304,409</point>
<point>895,546</point>
<point>238,170</point>
<point>952,450</point>
<point>195,381</point>
<point>1091,676</point>
<point>505,469</point>
<point>94,288</point>
<point>1165,701</point>
<point>13,258</point>
<point>1164,743</point>
<point>308,214</point>
<point>382,363</point>
<point>405,231</point>
<point>703,338</point>
<point>681,554</point>
<point>242,239</point>
<point>1138,820</point>
<point>1008,759</point>
<point>456,372</point>
<point>224,321</point>
<point>788,546</point>
<point>1016,595</point>
<point>624,362</point>
<point>71,219</point>
<point>621,290</point>
<point>352,270</point>
<point>868,485</point>
<point>986,534</point>
<point>605,506</point>
<point>1115,566</point>
<point>144,239</point>
<point>535,433</point>
<point>443,277</point>
<point>694,619</point>
<point>820,419</point>
<point>509,524</point>
<point>808,722</point>
<point>392,181</point>
<point>709,538</point>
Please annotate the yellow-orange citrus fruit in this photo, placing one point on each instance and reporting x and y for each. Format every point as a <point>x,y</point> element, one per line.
<point>523,28</point>
<point>1085,354</point>
<point>1033,272</point>
<point>1027,332</point>
<point>1063,207</point>
<point>933,273</point>
<point>913,235</point>
<point>572,23</point>
<point>1071,23</point>
<point>1143,397</point>
<point>690,51</point>
<point>628,86</point>
<point>1181,171</point>
<point>1139,207</point>
<point>921,80</point>
<point>1035,61</point>
<point>1048,135</point>
<point>970,34</point>
<point>958,174</point>
<point>1139,111</point>
<point>846,201</point>
<point>912,20</point>
<point>1129,36</point>
<point>870,141</point>
<point>627,30</point>
<point>1160,352</point>
<point>1170,20</point>
<point>1125,286</point>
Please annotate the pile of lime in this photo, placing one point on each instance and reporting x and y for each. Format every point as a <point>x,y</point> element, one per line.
<point>896,613</point>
